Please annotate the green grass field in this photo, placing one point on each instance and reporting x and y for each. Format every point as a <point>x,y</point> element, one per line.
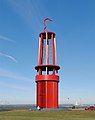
<point>47,115</point>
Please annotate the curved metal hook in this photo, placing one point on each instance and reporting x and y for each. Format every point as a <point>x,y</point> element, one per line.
<point>45,23</point>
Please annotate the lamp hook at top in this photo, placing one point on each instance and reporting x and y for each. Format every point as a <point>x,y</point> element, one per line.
<point>45,26</point>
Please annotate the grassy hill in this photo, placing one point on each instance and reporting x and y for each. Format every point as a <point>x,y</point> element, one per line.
<point>47,115</point>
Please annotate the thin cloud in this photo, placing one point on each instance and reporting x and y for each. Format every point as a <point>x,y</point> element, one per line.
<point>6,38</point>
<point>8,56</point>
<point>8,74</point>
<point>29,12</point>
<point>13,86</point>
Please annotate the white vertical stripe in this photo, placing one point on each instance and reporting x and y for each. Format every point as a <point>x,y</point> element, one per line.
<point>39,51</point>
<point>56,59</point>
<point>46,48</point>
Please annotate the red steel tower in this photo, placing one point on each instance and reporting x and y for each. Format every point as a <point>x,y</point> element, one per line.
<point>47,71</point>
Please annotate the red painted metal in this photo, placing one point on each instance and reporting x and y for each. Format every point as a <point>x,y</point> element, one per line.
<point>47,72</point>
<point>90,108</point>
<point>45,23</point>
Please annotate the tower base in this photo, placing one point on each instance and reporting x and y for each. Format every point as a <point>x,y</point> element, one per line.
<point>47,91</point>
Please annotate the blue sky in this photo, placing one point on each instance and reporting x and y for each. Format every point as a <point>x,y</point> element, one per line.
<point>21,21</point>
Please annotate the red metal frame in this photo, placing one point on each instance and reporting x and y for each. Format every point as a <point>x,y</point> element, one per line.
<point>47,82</point>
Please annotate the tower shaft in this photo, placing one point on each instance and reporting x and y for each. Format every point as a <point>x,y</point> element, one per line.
<point>47,72</point>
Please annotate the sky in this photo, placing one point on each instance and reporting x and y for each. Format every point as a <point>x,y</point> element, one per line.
<point>21,21</point>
